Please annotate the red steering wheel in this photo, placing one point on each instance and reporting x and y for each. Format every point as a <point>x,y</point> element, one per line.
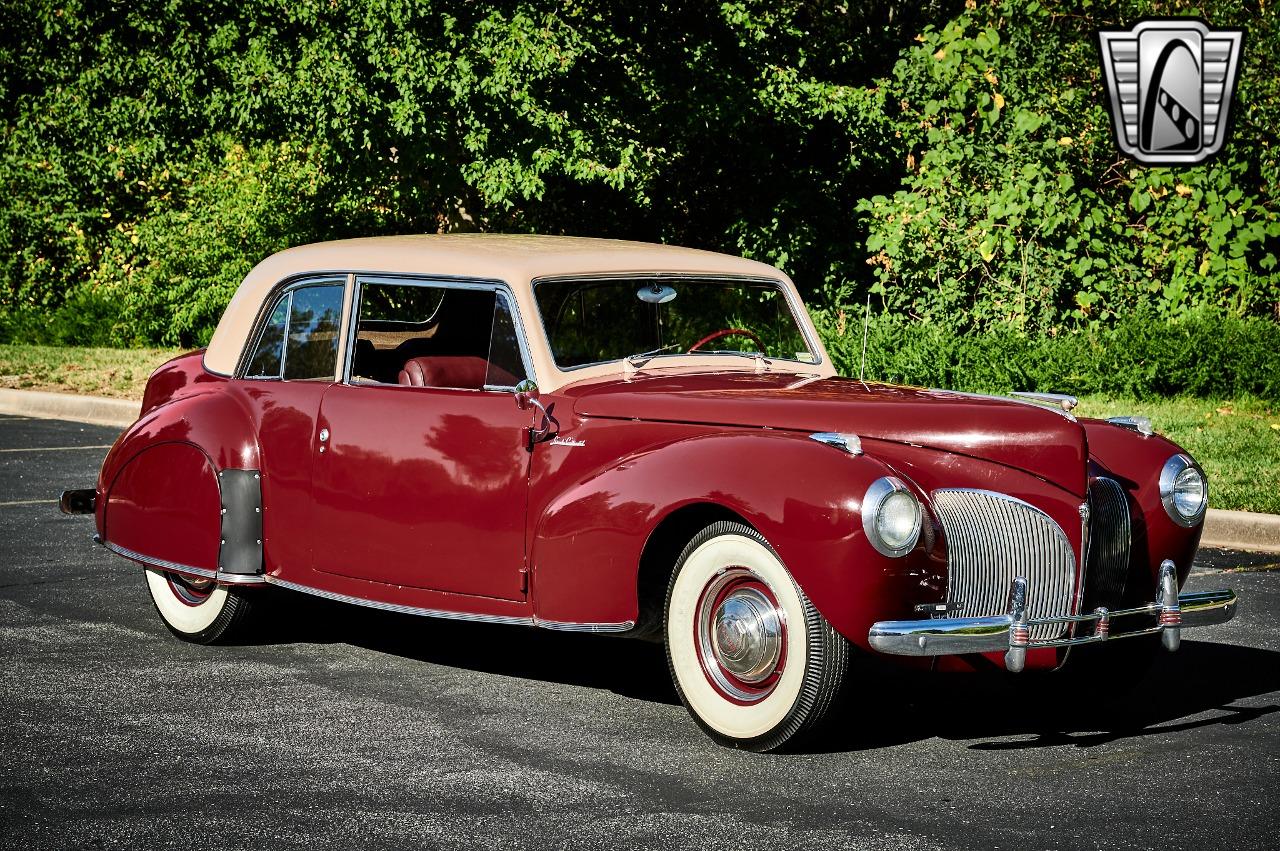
<point>728,332</point>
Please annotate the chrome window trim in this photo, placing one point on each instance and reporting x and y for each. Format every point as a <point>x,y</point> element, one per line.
<point>500,289</point>
<point>446,614</point>
<point>792,304</point>
<point>287,287</point>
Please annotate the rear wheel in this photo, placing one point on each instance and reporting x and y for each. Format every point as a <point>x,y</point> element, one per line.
<point>752,659</point>
<point>198,610</point>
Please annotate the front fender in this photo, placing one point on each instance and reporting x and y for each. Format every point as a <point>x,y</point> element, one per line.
<point>1135,461</point>
<point>803,496</point>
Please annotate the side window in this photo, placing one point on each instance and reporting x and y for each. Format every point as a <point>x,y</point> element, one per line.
<point>506,366</point>
<point>315,321</point>
<point>270,352</point>
<point>421,335</point>
<point>300,339</point>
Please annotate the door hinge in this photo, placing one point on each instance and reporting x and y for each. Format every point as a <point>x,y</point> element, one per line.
<point>524,580</point>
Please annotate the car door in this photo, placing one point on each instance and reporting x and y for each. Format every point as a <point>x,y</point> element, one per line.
<point>421,471</point>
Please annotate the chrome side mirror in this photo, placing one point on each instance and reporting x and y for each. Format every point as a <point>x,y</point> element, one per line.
<point>526,393</point>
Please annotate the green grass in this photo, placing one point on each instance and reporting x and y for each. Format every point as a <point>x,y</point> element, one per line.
<point>117,373</point>
<point>1237,442</point>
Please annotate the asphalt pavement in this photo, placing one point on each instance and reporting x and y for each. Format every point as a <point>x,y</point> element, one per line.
<point>351,728</point>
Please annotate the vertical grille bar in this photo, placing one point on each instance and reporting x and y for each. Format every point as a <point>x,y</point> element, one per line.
<point>992,538</point>
<point>1107,565</point>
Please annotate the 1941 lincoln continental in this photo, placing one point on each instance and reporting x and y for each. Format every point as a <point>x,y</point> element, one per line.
<point>617,437</point>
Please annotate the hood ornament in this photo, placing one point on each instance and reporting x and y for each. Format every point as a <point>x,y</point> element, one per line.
<point>1056,400</point>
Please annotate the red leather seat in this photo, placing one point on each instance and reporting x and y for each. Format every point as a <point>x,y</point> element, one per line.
<point>460,371</point>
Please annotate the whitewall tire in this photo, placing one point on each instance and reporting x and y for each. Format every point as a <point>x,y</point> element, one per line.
<point>196,609</point>
<point>752,659</point>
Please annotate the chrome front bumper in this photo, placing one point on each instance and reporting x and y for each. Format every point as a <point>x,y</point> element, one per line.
<point>1010,633</point>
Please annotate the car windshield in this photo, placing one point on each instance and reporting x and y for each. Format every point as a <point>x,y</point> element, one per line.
<point>595,321</point>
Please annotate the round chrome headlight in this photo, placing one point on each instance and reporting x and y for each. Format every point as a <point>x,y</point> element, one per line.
<point>1183,490</point>
<point>891,517</point>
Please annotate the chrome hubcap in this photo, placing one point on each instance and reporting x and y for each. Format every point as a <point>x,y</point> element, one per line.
<point>741,635</point>
<point>747,637</point>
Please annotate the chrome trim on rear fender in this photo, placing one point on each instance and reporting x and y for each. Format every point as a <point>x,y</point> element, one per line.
<point>163,564</point>
<point>153,563</point>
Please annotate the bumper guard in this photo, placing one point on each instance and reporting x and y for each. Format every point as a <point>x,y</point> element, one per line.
<point>1011,632</point>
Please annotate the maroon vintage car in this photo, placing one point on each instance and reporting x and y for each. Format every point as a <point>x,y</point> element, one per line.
<point>615,437</point>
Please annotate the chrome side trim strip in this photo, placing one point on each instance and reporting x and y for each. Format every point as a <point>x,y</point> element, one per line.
<point>240,578</point>
<point>397,607</point>
<point>570,626</point>
<point>163,564</point>
<point>561,626</point>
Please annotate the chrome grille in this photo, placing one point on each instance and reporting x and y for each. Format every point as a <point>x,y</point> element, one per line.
<point>993,538</point>
<point>1109,541</point>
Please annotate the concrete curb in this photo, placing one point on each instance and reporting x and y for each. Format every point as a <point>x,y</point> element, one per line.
<point>1241,530</point>
<point>1234,530</point>
<point>64,406</point>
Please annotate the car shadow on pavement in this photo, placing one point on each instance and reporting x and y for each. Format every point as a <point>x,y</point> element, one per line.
<point>634,669</point>
<point>1100,698</point>
<point>1088,704</point>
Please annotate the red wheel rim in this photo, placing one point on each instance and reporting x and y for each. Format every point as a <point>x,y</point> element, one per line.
<point>740,634</point>
<point>190,590</point>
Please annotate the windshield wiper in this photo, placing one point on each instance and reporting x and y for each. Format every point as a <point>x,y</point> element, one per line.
<point>758,357</point>
<point>637,359</point>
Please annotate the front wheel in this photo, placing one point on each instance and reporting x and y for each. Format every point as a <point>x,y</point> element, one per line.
<point>197,610</point>
<point>752,659</point>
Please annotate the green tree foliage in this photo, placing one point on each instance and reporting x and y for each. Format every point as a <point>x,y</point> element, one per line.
<point>1016,206</point>
<point>953,158</point>
<point>155,150</point>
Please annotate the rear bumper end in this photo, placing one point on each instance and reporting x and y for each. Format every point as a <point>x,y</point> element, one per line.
<point>1010,633</point>
<point>82,501</point>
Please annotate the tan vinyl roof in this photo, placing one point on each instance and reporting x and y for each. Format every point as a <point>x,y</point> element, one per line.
<point>514,259</point>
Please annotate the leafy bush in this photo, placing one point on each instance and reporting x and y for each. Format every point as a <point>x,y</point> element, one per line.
<point>1016,207</point>
<point>1141,355</point>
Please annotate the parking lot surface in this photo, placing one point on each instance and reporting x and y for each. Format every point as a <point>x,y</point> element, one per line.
<point>352,728</point>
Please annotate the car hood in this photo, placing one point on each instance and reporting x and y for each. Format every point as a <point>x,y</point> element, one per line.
<point>1027,436</point>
